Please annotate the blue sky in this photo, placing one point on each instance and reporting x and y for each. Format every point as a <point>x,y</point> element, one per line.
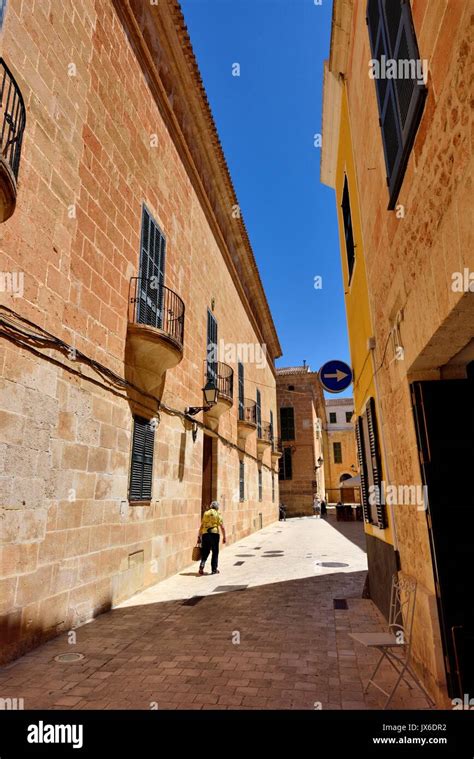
<point>267,118</point>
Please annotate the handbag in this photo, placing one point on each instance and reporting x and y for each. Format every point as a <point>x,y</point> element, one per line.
<point>197,553</point>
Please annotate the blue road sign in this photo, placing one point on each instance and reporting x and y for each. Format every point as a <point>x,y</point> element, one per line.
<point>335,376</point>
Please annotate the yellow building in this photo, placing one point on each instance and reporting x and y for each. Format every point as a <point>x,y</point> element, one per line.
<point>397,152</point>
<point>338,171</point>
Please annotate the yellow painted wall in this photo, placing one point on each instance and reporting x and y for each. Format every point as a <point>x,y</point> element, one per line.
<point>356,292</point>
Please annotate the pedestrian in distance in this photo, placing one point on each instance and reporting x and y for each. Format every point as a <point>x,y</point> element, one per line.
<point>317,506</point>
<point>324,508</point>
<point>282,514</point>
<point>208,537</point>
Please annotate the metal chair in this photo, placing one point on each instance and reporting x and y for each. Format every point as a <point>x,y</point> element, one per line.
<point>395,645</point>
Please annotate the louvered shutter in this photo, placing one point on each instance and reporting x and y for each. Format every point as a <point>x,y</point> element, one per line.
<point>400,100</point>
<point>211,347</point>
<point>347,221</point>
<point>375,462</point>
<point>259,414</point>
<point>241,391</point>
<point>364,490</point>
<point>241,480</point>
<point>151,275</point>
<point>271,426</point>
<point>141,471</point>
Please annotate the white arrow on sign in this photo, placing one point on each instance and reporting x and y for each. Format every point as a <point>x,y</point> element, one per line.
<point>338,376</point>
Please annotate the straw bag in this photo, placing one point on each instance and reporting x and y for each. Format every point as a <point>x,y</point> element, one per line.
<point>197,553</point>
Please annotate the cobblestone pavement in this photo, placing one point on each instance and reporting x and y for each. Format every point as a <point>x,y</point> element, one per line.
<point>176,645</point>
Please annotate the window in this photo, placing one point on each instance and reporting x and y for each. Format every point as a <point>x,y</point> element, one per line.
<point>348,416</point>
<point>211,347</point>
<point>152,271</point>
<point>141,471</point>
<point>286,468</point>
<point>3,8</point>
<point>241,390</point>
<point>272,431</point>
<point>260,485</point>
<point>370,468</point>
<point>259,414</point>
<point>347,221</point>
<point>241,480</point>
<point>337,451</point>
<point>332,417</point>
<point>273,487</point>
<point>291,387</point>
<point>287,423</point>
<point>401,99</point>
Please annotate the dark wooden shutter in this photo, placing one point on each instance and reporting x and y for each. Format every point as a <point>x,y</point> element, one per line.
<point>259,414</point>
<point>375,462</point>
<point>141,471</point>
<point>287,423</point>
<point>241,391</point>
<point>400,100</point>
<point>241,480</point>
<point>151,273</point>
<point>347,221</point>
<point>364,490</point>
<point>260,485</point>
<point>211,347</point>
<point>271,426</point>
<point>285,471</point>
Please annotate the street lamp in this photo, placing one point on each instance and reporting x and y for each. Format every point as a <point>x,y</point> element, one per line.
<point>210,395</point>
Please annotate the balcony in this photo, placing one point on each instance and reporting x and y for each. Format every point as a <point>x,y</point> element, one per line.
<point>277,450</point>
<point>223,376</point>
<point>155,333</point>
<point>12,126</point>
<point>264,438</point>
<point>247,421</point>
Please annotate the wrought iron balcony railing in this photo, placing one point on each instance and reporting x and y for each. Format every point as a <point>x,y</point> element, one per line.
<point>265,432</point>
<point>223,376</point>
<point>248,411</point>
<point>12,119</point>
<point>276,445</point>
<point>155,305</point>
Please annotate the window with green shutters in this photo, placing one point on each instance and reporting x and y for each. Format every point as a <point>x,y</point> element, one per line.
<point>211,347</point>
<point>337,452</point>
<point>400,100</point>
<point>241,390</point>
<point>370,467</point>
<point>141,470</point>
<point>259,414</point>
<point>287,423</point>
<point>152,272</point>
<point>260,485</point>
<point>242,480</point>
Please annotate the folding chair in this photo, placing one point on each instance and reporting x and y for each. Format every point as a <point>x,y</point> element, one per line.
<point>395,645</point>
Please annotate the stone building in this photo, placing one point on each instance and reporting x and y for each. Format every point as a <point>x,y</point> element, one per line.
<point>128,284</point>
<point>396,149</point>
<point>340,449</point>
<point>302,423</point>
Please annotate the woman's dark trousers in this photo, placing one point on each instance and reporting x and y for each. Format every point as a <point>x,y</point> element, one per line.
<point>210,543</point>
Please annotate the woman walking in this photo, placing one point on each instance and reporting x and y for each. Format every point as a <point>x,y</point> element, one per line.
<point>208,537</point>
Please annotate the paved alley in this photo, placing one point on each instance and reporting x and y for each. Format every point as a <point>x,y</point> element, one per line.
<point>263,634</point>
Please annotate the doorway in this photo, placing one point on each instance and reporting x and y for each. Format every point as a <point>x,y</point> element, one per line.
<point>444,421</point>
<point>208,472</point>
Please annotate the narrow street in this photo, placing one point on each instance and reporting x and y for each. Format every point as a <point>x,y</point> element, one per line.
<point>176,645</point>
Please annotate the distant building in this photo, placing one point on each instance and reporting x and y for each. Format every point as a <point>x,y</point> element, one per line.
<point>302,421</point>
<point>340,449</point>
